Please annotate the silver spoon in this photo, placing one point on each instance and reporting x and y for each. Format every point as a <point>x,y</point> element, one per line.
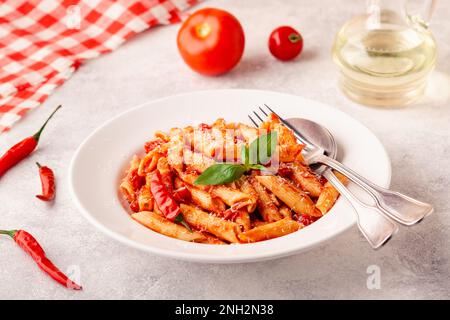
<point>401,208</point>
<point>375,227</point>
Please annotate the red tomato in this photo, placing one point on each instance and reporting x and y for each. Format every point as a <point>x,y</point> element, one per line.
<point>307,220</point>
<point>211,41</point>
<point>285,43</point>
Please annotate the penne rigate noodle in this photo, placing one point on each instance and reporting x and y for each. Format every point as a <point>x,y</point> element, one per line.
<point>126,186</point>
<point>163,136</point>
<point>266,206</point>
<point>329,194</point>
<point>269,231</point>
<point>145,199</point>
<point>243,219</point>
<point>204,200</point>
<point>293,197</point>
<point>223,229</point>
<point>286,212</point>
<point>306,180</point>
<point>149,162</point>
<point>175,149</point>
<point>257,223</point>
<point>189,178</point>
<point>210,239</point>
<point>161,225</point>
<point>246,187</point>
<point>248,133</point>
<point>233,196</point>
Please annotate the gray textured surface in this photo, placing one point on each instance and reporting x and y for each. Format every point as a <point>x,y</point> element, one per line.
<point>415,264</point>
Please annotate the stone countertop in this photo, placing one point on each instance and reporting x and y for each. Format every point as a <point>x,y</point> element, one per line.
<point>415,264</point>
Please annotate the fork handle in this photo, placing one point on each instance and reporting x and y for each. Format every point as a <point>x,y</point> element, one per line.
<point>401,208</point>
<point>375,227</point>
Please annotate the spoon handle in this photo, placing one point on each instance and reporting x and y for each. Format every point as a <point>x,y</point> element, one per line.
<point>375,227</point>
<point>401,208</point>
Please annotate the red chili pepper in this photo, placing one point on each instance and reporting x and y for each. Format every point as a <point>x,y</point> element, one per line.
<point>22,149</point>
<point>182,195</point>
<point>30,245</point>
<point>47,182</point>
<point>163,199</point>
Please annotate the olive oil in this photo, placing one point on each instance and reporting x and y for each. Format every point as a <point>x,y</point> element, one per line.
<point>383,65</point>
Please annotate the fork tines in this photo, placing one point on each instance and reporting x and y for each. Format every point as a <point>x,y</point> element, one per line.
<point>266,114</point>
<point>284,122</point>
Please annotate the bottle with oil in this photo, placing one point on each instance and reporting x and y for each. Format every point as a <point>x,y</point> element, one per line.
<point>386,55</point>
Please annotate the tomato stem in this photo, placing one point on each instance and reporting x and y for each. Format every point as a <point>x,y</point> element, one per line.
<point>37,135</point>
<point>203,30</point>
<point>294,37</point>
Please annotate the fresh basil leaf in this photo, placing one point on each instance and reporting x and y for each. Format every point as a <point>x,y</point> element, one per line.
<point>179,218</point>
<point>221,173</point>
<point>261,149</point>
<point>257,167</point>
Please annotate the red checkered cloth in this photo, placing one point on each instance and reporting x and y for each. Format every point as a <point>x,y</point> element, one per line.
<point>42,42</point>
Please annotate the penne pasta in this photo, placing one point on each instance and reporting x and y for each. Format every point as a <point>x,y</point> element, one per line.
<point>128,186</point>
<point>254,206</point>
<point>243,219</point>
<point>269,231</point>
<point>175,149</point>
<point>145,199</point>
<point>149,162</point>
<point>248,133</point>
<point>210,239</point>
<point>306,180</point>
<point>289,150</point>
<point>293,197</point>
<point>205,200</point>
<point>223,229</point>
<point>246,187</point>
<point>161,225</point>
<point>234,198</point>
<point>329,195</point>
<point>257,223</point>
<point>165,172</point>
<point>286,212</point>
<point>266,206</point>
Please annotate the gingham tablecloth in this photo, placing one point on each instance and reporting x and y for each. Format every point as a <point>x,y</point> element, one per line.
<point>42,42</point>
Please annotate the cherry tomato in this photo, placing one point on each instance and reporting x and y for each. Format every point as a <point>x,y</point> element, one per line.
<point>307,220</point>
<point>285,43</point>
<point>211,41</point>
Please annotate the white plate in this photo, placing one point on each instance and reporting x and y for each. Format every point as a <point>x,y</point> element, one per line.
<point>99,163</point>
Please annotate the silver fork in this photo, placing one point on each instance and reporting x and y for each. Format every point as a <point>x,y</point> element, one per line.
<point>397,206</point>
<point>375,227</point>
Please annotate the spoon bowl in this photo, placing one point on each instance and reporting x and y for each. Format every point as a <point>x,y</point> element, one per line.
<point>316,138</point>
